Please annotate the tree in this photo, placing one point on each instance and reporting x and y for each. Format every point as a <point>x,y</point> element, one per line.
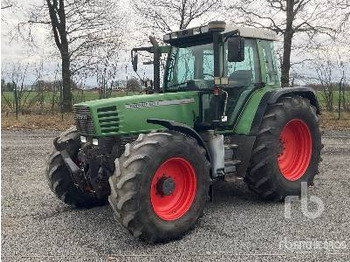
<point>6,4</point>
<point>165,16</point>
<point>18,99</point>
<point>133,85</point>
<point>287,18</point>
<point>85,32</point>
<point>3,84</point>
<point>106,76</point>
<point>331,66</point>
<point>343,5</point>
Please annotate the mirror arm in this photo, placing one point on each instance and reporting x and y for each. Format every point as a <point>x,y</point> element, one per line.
<point>143,48</point>
<point>140,77</point>
<point>235,32</point>
<point>156,63</point>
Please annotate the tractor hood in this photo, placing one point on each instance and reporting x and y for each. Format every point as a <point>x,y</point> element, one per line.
<point>128,115</point>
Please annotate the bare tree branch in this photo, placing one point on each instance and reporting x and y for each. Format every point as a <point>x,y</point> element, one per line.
<point>164,16</point>
<point>86,33</point>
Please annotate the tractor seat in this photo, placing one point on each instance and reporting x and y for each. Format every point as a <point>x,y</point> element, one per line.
<point>240,78</point>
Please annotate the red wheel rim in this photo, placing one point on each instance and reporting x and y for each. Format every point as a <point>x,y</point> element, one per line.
<point>297,149</point>
<point>173,204</point>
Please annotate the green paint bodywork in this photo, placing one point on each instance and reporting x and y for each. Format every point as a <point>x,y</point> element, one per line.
<point>133,121</point>
<point>247,115</point>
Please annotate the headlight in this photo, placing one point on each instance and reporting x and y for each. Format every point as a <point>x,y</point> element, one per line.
<point>83,139</point>
<point>95,141</point>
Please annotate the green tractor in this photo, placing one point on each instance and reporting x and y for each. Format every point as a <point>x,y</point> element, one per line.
<point>219,115</point>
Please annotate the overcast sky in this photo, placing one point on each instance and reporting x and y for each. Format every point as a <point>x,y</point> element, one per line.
<point>16,51</point>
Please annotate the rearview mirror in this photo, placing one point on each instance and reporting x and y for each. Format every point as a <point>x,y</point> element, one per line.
<point>134,61</point>
<point>235,46</point>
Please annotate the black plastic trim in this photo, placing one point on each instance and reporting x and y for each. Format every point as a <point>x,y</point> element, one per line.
<point>272,97</point>
<point>243,151</point>
<point>182,128</point>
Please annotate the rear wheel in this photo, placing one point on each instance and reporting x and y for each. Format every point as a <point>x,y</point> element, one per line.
<point>287,149</point>
<point>160,186</point>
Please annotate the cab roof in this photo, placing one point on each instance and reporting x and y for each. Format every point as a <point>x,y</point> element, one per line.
<point>252,32</point>
<point>205,33</point>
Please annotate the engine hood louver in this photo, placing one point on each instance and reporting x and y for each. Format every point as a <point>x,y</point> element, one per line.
<point>108,119</point>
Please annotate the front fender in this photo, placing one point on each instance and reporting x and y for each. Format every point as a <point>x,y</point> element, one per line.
<point>182,128</point>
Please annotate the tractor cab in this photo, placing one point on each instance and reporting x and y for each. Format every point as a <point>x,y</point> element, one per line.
<point>225,64</point>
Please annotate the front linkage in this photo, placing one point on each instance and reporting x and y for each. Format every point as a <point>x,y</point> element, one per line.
<point>92,166</point>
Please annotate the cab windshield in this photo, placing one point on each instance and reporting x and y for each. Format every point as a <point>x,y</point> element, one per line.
<point>190,68</point>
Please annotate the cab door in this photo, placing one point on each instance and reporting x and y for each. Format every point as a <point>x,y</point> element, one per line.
<point>243,78</point>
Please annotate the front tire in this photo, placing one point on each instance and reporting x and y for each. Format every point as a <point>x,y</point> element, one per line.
<point>60,180</point>
<point>160,186</point>
<point>287,149</point>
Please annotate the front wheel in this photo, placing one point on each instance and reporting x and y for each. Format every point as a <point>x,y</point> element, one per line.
<point>160,186</point>
<point>287,149</point>
<point>60,180</point>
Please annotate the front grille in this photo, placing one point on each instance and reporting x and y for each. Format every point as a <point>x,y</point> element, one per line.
<point>83,120</point>
<point>108,119</point>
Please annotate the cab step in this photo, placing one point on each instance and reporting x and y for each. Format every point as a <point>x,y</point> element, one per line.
<point>229,150</point>
<point>230,166</point>
<point>230,170</point>
<point>231,146</point>
<point>232,177</point>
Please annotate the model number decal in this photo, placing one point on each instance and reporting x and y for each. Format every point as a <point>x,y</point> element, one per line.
<point>149,104</point>
<point>80,117</point>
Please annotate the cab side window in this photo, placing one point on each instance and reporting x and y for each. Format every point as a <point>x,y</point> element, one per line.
<point>208,64</point>
<point>268,52</point>
<point>185,65</point>
<point>243,73</point>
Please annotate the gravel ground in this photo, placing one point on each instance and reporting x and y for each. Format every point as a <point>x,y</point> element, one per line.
<point>236,225</point>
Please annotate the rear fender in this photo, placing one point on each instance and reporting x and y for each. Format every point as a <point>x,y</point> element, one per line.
<point>273,96</point>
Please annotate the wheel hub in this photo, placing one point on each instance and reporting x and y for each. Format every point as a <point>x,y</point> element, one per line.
<point>173,188</point>
<point>296,149</point>
<point>165,186</point>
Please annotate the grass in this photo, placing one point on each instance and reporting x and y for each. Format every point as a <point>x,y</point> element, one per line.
<point>47,122</point>
<point>33,102</point>
<point>329,121</point>
<point>55,122</point>
<point>322,101</point>
<point>79,96</point>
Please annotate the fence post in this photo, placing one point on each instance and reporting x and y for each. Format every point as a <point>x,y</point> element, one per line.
<point>16,99</point>
<point>339,100</point>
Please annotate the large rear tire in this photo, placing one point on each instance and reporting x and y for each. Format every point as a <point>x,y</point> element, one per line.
<point>160,186</point>
<point>60,180</point>
<point>287,149</point>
